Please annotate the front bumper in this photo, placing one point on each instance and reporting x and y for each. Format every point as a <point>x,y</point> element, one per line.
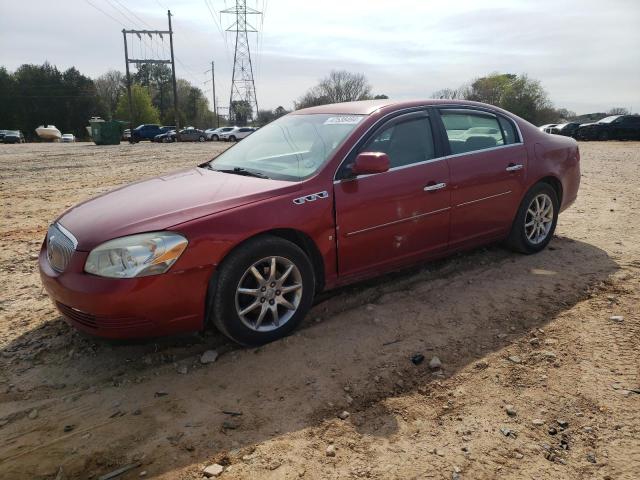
<point>129,308</point>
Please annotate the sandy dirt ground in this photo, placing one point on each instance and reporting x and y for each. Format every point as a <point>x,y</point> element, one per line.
<point>537,380</point>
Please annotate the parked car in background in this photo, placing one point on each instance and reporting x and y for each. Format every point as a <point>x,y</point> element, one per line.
<point>191,134</point>
<point>567,129</point>
<point>149,131</point>
<point>615,127</point>
<point>245,241</point>
<point>126,134</point>
<point>166,137</point>
<point>214,133</point>
<point>237,133</point>
<point>545,128</point>
<point>68,138</point>
<point>2,134</point>
<point>13,136</point>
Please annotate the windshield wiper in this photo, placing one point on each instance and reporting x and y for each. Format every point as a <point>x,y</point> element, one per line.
<point>240,171</point>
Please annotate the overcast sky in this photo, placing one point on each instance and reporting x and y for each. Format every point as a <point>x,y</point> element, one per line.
<point>585,52</point>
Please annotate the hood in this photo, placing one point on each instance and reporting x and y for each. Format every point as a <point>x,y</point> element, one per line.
<point>161,202</point>
<point>588,124</point>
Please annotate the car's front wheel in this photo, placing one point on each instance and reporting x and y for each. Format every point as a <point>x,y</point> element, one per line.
<point>264,289</point>
<point>201,138</point>
<point>215,138</point>
<point>232,138</point>
<point>536,220</point>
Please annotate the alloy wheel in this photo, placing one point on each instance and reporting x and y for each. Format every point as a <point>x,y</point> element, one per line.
<point>539,219</point>
<point>269,294</point>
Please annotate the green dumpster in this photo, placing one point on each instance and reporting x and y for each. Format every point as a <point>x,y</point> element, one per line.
<point>106,132</point>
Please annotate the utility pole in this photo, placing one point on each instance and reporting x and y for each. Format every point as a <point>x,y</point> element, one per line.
<point>151,61</point>
<point>173,76</point>
<point>213,86</point>
<point>243,88</point>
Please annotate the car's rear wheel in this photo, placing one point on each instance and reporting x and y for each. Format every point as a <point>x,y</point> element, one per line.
<point>264,289</point>
<point>232,138</point>
<point>536,220</point>
<point>201,138</point>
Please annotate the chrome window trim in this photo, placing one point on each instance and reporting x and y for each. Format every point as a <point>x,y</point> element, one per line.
<point>495,114</point>
<point>407,219</point>
<point>68,234</point>
<point>417,109</point>
<point>439,159</point>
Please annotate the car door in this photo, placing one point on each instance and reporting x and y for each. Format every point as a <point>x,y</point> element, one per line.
<point>488,165</point>
<point>399,215</point>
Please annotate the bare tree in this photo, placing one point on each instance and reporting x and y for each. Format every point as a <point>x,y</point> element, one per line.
<point>109,87</point>
<point>448,94</point>
<point>340,86</point>
<point>618,111</point>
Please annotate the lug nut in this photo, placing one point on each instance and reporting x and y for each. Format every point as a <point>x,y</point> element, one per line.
<point>262,299</point>
<point>278,292</point>
<point>273,284</point>
<point>263,289</point>
<point>271,302</point>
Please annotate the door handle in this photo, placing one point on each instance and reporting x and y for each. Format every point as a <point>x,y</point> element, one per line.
<point>434,187</point>
<point>514,168</point>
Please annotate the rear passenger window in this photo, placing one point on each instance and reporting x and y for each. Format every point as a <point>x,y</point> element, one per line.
<point>405,142</point>
<point>472,131</point>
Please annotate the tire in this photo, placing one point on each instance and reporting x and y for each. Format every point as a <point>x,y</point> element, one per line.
<point>215,138</point>
<point>232,138</point>
<point>520,239</point>
<point>201,138</point>
<point>166,140</point>
<point>258,326</point>
<point>604,136</point>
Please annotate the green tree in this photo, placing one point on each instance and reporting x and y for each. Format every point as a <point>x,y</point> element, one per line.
<point>241,112</point>
<point>267,116</point>
<point>8,100</point>
<point>143,109</point>
<point>518,94</point>
<point>41,94</point>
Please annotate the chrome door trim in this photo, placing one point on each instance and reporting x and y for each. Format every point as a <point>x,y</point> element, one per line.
<point>431,160</point>
<point>407,219</point>
<point>514,168</point>
<point>484,198</point>
<point>433,188</point>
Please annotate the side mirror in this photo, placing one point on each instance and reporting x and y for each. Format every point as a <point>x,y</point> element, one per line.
<point>367,163</point>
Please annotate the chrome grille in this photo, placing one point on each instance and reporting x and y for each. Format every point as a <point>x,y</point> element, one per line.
<point>60,246</point>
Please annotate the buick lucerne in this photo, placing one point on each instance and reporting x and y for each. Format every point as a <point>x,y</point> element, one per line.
<point>319,198</point>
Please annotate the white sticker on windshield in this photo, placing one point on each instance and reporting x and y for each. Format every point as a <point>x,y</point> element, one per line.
<point>343,120</point>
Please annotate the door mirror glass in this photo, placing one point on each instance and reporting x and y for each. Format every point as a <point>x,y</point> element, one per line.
<point>367,163</point>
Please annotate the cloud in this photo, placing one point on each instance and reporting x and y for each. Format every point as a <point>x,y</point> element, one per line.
<point>584,52</point>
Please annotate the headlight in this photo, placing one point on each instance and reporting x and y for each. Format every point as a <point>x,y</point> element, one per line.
<point>136,256</point>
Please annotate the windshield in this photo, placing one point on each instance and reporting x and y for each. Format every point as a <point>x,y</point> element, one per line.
<point>609,119</point>
<point>293,147</point>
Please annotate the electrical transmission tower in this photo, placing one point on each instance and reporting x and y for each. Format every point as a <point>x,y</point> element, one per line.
<point>243,101</point>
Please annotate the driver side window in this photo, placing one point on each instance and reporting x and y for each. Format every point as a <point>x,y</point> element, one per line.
<point>405,142</point>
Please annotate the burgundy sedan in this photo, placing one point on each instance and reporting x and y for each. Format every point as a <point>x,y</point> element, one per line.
<point>319,198</point>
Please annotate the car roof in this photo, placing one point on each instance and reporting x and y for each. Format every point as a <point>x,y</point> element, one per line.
<point>367,107</point>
